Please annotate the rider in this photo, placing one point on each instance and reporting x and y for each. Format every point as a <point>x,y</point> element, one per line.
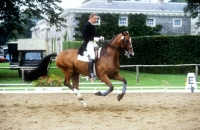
<point>90,39</point>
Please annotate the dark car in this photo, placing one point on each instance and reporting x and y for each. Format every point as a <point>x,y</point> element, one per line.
<point>3,59</point>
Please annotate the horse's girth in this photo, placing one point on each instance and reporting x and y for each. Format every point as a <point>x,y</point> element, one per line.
<point>96,52</point>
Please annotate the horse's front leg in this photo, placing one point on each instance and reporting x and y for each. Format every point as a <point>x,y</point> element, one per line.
<point>106,80</point>
<point>75,81</point>
<point>120,78</point>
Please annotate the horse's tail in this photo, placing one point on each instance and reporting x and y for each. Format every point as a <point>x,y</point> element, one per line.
<point>41,70</point>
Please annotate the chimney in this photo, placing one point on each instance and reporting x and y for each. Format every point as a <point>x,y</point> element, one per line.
<point>161,2</point>
<point>109,1</point>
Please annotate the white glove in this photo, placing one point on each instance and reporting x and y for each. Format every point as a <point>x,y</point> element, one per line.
<point>96,39</point>
<point>101,38</point>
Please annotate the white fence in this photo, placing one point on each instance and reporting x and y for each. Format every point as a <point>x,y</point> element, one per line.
<point>131,89</point>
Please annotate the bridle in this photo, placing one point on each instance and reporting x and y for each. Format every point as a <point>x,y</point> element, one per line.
<point>126,51</point>
<point>119,49</point>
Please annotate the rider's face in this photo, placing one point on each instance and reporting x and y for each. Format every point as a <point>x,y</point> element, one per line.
<point>94,19</point>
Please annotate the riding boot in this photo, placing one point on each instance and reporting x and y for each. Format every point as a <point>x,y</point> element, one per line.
<point>91,72</point>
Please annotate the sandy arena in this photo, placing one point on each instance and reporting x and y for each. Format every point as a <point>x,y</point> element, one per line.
<point>136,111</point>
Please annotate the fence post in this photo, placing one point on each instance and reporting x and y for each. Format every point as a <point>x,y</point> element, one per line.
<point>196,72</point>
<point>137,74</point>
<point>22,69</point>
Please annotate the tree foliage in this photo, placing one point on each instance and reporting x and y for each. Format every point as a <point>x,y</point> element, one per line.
<point>192,8</point>
<point>15,14</point>
<point>109,26</point>
<point>137,26</point>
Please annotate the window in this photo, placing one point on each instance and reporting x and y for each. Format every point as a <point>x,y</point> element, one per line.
<point>177,22</point>
<point>150,22</point>
<point>98,21</point>
<point>123,21</point>
<point>31,56</point>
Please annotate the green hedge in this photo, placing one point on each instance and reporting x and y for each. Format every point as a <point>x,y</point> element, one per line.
<point>72,44</point>
<point>163,50</point>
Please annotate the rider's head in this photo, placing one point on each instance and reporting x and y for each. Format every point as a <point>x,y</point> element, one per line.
<point>93,18</point>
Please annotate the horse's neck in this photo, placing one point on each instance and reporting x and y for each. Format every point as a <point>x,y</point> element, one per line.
<point>114,46</point>
<point>112,53</point>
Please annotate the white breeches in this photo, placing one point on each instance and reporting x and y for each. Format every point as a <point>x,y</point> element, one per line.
<point>90,49</point>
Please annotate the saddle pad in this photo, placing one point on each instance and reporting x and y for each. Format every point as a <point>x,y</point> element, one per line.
<point>85,56</point>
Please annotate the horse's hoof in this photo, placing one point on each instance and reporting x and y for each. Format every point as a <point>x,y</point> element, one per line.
<point>98,93</point>
<point>120,96</point>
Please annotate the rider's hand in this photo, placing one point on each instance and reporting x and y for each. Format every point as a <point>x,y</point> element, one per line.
<point>101,38</point>
<point>96,39</point>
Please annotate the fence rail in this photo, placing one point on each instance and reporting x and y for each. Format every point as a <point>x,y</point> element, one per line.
<point>178,65</point>
<point>161,89</point>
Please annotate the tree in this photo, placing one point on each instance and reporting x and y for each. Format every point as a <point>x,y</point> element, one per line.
<point>14,14</point>
<point>27,29</point>
<point>193,8</point>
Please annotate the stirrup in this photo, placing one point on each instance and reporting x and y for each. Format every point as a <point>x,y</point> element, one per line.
<point>92,75</point>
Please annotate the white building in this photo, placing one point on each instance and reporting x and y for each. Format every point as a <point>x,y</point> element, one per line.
<point>157,11</point>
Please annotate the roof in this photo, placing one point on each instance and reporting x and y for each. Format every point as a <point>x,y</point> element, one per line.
<point>131,5</point>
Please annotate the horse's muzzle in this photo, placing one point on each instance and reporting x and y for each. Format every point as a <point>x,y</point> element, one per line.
<point>129,54</point>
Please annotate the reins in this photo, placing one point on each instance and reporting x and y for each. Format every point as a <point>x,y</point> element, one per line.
<point>118,49</point>
<point>113,47</point>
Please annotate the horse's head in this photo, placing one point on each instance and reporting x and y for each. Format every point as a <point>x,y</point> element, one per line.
<point>127,44</point>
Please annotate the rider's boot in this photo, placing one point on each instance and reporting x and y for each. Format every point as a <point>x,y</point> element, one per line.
<point>91,72</point>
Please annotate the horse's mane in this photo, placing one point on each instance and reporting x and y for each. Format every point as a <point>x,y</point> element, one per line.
<point>104,47</point>
<point>112,39</point>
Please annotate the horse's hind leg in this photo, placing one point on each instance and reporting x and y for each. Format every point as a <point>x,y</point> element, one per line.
<point>67,83</point>
<point>67,80</point>
<point>75,81</point>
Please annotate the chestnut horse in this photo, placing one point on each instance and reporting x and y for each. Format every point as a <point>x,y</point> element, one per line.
<point>107,66</point>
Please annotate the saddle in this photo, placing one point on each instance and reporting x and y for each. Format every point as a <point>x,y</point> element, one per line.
<point>85,57</point>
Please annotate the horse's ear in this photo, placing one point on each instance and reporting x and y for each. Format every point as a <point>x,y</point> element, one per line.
<point>123,33</point>
<point>127,32</point>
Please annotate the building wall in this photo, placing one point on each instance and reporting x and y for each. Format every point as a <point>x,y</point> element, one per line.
<point>51,33</point>
<point>167,23</point>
